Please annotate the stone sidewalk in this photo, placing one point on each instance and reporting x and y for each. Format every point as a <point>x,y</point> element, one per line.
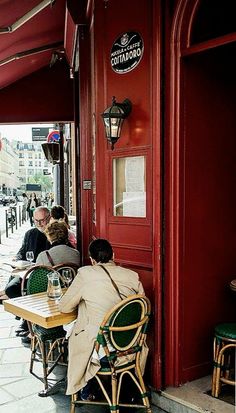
<point>18,388</point>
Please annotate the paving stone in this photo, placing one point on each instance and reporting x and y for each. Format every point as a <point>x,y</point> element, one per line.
<point>18,355</point>
<point>12,370</point>
<point>7,316</point>
<point>13,342</point>
<point>24,387</point>
<point>5,332</point>
<point>9,322</point>
<point>5,397</point>
<point>7,380</point>
<point>31,404</point>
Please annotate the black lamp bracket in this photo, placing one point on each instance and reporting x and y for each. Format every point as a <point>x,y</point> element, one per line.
<point>126,106</point>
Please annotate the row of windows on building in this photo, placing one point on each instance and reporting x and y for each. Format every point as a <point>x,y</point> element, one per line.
<point>34,164</point>
<point>30,155</point>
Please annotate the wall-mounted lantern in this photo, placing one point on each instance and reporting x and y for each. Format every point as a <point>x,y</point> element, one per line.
<point>113,118</point>
<point>51,151</point>
<point>51,148</point>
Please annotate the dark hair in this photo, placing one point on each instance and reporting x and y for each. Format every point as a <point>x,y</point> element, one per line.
<point>100,250</point>
<point>66,219</point>
<point>57,212</point>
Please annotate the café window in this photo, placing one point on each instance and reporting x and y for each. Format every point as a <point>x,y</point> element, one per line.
<point>129,186</point>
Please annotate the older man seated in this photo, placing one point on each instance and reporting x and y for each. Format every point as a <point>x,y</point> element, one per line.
<point>36,241</point>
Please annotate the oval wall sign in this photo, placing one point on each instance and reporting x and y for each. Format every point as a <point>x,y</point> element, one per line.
<point>126,52</point>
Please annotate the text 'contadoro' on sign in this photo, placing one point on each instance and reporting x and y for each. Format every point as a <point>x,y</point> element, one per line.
<point>126,52</point>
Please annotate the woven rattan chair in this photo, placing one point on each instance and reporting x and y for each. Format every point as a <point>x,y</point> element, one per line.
<point>46,340</point>
<point>224,357</point>
<point>123,328</point>
<point>35,280</point>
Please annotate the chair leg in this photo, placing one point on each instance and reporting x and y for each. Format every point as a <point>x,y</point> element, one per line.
<point>216,350</point>
<point>145,398</point>
<point>227,363</point>
<point>74,397</point>
<point>33,352</point>
<point>45,364</point>
<point>114,408</point>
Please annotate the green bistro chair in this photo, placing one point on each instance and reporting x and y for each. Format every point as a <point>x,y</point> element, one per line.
<point>124,331</point>
<point>224,357</point>
<point>35,280</point>
<point>48,341</point>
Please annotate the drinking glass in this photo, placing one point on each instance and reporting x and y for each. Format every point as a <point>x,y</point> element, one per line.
<point>67,276</point>
<point>30,256</point>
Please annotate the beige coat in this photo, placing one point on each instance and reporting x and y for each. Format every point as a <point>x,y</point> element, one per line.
<point>94,295</point>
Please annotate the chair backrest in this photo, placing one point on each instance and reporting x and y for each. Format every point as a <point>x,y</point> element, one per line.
<point>37,280</point>
<point>124,327</point>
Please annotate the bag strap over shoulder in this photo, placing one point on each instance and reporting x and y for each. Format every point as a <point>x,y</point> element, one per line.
<point>49,258</point>
<point>112,281</point>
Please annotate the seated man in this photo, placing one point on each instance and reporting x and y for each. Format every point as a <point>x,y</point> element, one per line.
<point>34,240</point>
<point>94,294</point>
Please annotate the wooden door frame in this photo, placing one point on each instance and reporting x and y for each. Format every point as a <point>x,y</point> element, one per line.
<point>179,40</point>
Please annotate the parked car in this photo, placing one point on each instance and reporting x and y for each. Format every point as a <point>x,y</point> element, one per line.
<point>7,199</point>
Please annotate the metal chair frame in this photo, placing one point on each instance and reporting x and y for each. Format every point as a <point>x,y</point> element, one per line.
<point>222,358</point>
<point>108,335</point>
<point>37,342</point>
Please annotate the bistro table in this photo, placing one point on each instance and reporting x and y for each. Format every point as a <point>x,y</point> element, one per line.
<point>39,309</point>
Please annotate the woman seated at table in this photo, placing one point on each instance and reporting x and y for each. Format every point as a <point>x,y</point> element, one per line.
<point>93,293</point>
<point>58,213</point>
<point>59,253</point>
<point>61,250</point>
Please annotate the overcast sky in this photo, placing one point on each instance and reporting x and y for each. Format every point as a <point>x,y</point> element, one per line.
<point>20,132</point>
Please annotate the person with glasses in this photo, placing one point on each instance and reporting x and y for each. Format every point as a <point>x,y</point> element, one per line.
<point>36,241</point>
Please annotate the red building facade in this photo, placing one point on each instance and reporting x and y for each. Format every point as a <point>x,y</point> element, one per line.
<point>164,196</point>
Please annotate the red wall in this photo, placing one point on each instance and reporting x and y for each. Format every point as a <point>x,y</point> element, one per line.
<point>209,203</point>
<point>44,96</point>
<point>131,238</point>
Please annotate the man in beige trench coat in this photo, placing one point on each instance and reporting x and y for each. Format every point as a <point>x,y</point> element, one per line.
<point>93,293</point>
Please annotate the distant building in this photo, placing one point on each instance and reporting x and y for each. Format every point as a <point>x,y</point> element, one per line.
<point>9,168</point>
<point>31,161</point>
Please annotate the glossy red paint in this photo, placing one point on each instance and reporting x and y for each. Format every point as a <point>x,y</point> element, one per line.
<point>45,28</point>
<point>201,224</point>
<point>44,96</point>
<point>135,244</point>
<point>187,135</point>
